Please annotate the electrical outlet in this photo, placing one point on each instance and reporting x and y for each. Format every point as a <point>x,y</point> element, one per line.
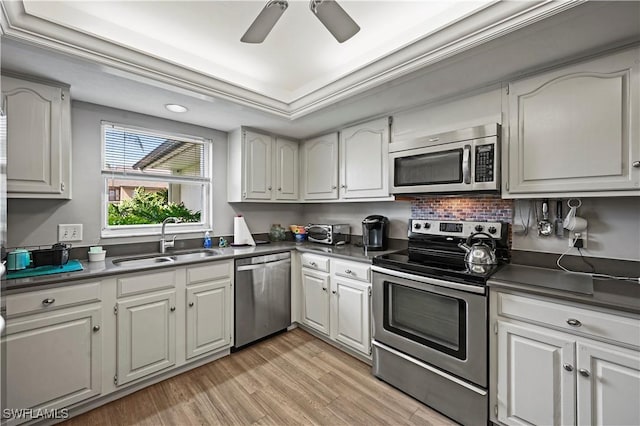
<point>581,235</point>
<point>69,232</point>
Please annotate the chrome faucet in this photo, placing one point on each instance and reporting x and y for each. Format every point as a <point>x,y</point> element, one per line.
<point>164,245</point>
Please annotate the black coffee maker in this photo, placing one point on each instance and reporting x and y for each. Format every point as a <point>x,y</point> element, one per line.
<point>375,232</point>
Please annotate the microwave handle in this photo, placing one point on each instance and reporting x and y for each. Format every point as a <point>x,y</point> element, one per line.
<point>466,164</point>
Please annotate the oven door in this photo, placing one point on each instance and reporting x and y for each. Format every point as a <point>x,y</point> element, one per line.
<point>441,323</point>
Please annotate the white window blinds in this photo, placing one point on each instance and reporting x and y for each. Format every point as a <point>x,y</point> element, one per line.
<point>131,151</point>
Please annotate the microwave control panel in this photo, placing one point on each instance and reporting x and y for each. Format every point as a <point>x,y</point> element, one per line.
<point>484,163</point>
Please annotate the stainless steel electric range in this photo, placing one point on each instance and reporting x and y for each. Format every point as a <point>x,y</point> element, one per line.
<point>430,317</point>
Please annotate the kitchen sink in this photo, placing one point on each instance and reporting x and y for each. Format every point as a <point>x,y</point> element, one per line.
<point>144,260</point>
<point>155,259</point>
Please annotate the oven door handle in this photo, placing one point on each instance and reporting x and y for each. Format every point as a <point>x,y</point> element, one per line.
<point>433,281</point>
<point>454,379</point>
<point>466,164</point>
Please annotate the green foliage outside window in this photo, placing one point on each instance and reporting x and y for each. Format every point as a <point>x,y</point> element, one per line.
<point>148,207</point>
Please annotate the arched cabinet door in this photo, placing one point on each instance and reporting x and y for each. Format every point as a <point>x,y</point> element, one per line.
<point>575,130</point>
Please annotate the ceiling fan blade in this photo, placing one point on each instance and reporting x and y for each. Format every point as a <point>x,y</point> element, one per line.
<point>337,21</point>
<point>265,21</point>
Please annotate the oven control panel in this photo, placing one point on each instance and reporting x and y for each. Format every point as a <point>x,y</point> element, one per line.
<point>461,229</point>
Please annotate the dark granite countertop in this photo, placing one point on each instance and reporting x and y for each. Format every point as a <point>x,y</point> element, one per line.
<point>572,287</point>
<point>94,270</point>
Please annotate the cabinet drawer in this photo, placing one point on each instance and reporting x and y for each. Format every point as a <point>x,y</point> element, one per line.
<point>318,263</point>
<point>210,272</point>
<point>603,325</point>
<point>356,271</point>
<point>39,301</point>
<point>142,283</point>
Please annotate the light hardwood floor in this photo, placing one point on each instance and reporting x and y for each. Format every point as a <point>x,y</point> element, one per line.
<point>293,378</point>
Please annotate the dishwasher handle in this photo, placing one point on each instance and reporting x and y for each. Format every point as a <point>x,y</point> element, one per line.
<point>261,265</point>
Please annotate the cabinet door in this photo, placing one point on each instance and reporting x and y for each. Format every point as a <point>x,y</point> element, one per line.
<point>53,361</point>
<point>608,385</point>
<point>208,317</point>
<point>535,385</point>
<point>287,177</point>
<point>257,166</point>
<point>575,129</point>
<point>364,160</point>
<point>350,323</point>
<point>315,294</point>
<point>146,329</point>
<point>35,157</point>
<point>320,168</point>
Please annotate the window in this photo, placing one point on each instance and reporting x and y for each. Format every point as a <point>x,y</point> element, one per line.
<point>149,176</point>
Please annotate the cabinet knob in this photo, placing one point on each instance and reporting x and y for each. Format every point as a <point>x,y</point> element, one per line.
<point>280,188</point>
<point>324,289</point>
<point>343,186</point>
<point>269,188</point>
<point>96,328</point>
<point>190,304</point>
<point>583,372</point>
<point>636,164</point>
<point>348,271</point>
<point>574,322</point>
<point>314,264</point>
<point>333,291</point>
<point>334,187</point>
<point>567,367</point>
<point>173,308</point>
<point>48,301</point>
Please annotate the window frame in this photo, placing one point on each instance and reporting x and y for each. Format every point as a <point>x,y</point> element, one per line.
<point>115,231</point>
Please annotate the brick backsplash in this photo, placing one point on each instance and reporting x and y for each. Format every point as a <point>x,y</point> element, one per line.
<point>453,208</point>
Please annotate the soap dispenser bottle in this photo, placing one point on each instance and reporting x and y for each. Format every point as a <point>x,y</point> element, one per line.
<point>207,240</point>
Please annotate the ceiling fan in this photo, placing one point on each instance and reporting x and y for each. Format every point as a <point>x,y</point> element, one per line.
<point>332,16</point>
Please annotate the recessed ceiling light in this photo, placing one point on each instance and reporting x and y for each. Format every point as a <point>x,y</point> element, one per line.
<point>176,108</point>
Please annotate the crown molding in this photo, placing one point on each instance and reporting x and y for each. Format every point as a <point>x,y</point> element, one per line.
<point>492,22</point>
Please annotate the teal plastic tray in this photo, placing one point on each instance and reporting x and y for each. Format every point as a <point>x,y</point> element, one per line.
<point>71,266</point>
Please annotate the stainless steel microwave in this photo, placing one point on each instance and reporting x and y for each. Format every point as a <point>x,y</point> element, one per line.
<point>458,162</point>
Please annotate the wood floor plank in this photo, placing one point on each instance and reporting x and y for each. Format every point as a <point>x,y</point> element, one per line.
<point>291,379</point>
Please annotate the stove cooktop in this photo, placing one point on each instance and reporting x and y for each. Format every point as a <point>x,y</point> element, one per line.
<point>438,265</point>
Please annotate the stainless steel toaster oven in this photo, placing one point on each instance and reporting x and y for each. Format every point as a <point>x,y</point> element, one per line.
<point>329,234</point>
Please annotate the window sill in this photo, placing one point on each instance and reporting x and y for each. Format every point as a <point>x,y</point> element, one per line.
<point>153,230</point>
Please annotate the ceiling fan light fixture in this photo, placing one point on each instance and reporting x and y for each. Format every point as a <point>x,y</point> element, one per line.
<point>176,108</point>
<point>265,21</point>
<point>335,19</point>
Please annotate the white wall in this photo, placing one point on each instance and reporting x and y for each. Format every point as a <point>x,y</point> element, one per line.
<point>34,222</point>
<point>398,213</point>
<point>613,228</point>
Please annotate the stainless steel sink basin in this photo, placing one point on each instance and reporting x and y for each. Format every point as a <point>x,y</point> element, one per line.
<point>144,260</point>
<point>156,259</point>
<point>196,254</point>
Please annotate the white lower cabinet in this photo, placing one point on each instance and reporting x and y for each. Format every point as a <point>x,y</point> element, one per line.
<point>533,386</point>
<point>146,330</point>
<point>350,314</point>
<point>545,375</point>
<point>608,385</point>
<point>336,306</point>
<point>208,317</point>
<point>53,359</point>
<point>315,294</point>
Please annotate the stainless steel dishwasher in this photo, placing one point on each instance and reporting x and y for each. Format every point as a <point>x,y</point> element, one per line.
<point>262,296</point>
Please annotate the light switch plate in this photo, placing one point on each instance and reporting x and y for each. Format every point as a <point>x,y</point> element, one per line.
<point>69,232</point>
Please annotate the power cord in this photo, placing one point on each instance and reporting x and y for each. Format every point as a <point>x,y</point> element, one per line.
<point>593,273</point>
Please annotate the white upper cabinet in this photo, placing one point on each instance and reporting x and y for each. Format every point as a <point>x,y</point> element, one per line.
<point>575,131</point>
<point>257,166</point>
<point>38,139</point>
<point>353,165</point>
<point>286,170</point>
<point>320,168</point>
<point>364,160</point>
<point>261,167</point>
